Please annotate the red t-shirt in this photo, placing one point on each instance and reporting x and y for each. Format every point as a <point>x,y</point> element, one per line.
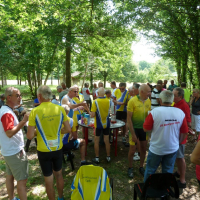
<point>7,121</point>
<point>186,109</point>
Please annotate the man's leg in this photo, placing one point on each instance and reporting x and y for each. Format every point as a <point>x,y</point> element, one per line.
<point>10,186</point>
<point>181,168</point>
<point>59,182</point>
<point>96,145</point>
<point>107,143</point>
<point>180,161</point>
<point>82,149</point>
<point>49,187</point>
<point>168,162</point>
<point>124,128</point>
<point>131,152</point>
<point>153,162</point>
<point>21,189</point>
<point>143,148</point>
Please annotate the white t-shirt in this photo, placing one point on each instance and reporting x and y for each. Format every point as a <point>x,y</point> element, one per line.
<point>86,96</point>
<point>166,124</point>
<point>154,96</point>
<point>13,145</point>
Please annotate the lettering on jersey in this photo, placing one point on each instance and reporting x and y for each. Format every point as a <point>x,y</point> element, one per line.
<point>174,120</point>
<point>169,124</point>
<point>89,177</point>
<point>49,117</point>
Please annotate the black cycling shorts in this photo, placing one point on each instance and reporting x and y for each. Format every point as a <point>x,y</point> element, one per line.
<point>140,134</point>
<point>99,131</point>
<point>72,144</point>
<point>50,161</point>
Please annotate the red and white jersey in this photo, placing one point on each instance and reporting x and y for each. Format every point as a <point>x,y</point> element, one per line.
<point>86,93</point>
<point>8,120</point>
<point>166,124</point>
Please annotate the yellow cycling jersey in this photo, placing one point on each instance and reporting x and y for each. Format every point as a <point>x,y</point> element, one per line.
<point>48,119</point>
<point>77,113</point>
<point>139,110</point>
<point>121,97</point>
<point>91,182</point>
<point>101,106</point>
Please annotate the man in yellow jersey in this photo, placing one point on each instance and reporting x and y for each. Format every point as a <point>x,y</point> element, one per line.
<point>122,97</point>
<point>79,98</point>
<point>187,93</point>
<point>137,111</point>
<point>137,153</point>
<point>100,112</point>
<point>46,121</point>
<point>68,100</point>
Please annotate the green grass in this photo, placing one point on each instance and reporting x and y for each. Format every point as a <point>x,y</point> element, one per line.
<point>2,166</point>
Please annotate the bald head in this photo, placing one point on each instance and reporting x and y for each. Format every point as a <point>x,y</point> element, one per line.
<point>101,92</point>
<point>144,92</point>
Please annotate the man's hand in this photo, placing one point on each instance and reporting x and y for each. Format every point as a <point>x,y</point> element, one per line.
<point>115,102</point>
<point>83,104</point>
<point>120,103</point>
<point>25,118</point>
<point>134,138</point>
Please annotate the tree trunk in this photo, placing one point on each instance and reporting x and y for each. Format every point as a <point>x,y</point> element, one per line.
<point>68,58</point>
<point>35,81</point>
<point>67,69</point>
<point>5,83</point>
<point>2,83</point>
<point>17,79</point>
<point>64,74</point>
<point>91,80</point>
<point>178,69</point>
<point>183,69</point>
<point>51,78</point>
<point>84,76</point>
<point>58,76</point>
<point>30,84</point>
<point>105,74</point>
<point>47,76</point>
<point>20,80</point>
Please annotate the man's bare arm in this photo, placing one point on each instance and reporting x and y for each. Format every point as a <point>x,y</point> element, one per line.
<point>92,114</point>
<point>66,128</point>
<point>145,130</point>
<point>72,106</point>
<point>15,129</point>
<point>31,133</point>
<point>130,125</point>
<point>182,137</point>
